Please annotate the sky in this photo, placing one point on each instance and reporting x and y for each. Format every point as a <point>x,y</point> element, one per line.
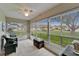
<point>56,21</point>
<point>45,22</point>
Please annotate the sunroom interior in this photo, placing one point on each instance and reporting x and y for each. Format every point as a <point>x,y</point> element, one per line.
<point>56,24</point>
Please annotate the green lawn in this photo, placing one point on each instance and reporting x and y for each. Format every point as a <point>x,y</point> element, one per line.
<point>55,37</point>
<point>20,33</point>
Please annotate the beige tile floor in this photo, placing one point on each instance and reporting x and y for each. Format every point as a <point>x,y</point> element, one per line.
<point>26,48</point>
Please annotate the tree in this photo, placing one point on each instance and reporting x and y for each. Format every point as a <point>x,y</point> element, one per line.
<point>72,21</point>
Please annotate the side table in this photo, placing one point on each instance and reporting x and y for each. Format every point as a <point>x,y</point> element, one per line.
<point>38,43</point>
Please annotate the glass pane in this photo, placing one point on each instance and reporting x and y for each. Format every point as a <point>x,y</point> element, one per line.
<point>42,29</point>
<point>55,30</point>
<point>70,28</point>
<point>18,28</point>
<point>39,29</point>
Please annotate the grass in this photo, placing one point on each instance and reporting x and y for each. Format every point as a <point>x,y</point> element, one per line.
<point>20,33</point>
<point>55,37</point>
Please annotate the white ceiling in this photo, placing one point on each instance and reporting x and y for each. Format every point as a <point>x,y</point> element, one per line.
<point>13,9</point>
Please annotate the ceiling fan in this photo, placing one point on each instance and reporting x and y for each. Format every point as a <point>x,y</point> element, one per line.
<point>25,11</point>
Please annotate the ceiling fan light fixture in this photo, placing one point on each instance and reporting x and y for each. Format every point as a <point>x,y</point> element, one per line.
<point>26,12</point>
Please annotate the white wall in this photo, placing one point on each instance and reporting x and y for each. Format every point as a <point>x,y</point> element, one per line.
<point>2,19</point>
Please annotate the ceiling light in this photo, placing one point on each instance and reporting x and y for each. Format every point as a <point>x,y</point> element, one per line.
<point>26,14</point>
<point>26,11</point>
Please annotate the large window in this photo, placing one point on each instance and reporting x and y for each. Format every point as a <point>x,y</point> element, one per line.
<point>61,29</point>
<point>64,28</point>
<point>55,30</point>
<point>40,29</point>
<point>18,28</point>
<point>70,27</point>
